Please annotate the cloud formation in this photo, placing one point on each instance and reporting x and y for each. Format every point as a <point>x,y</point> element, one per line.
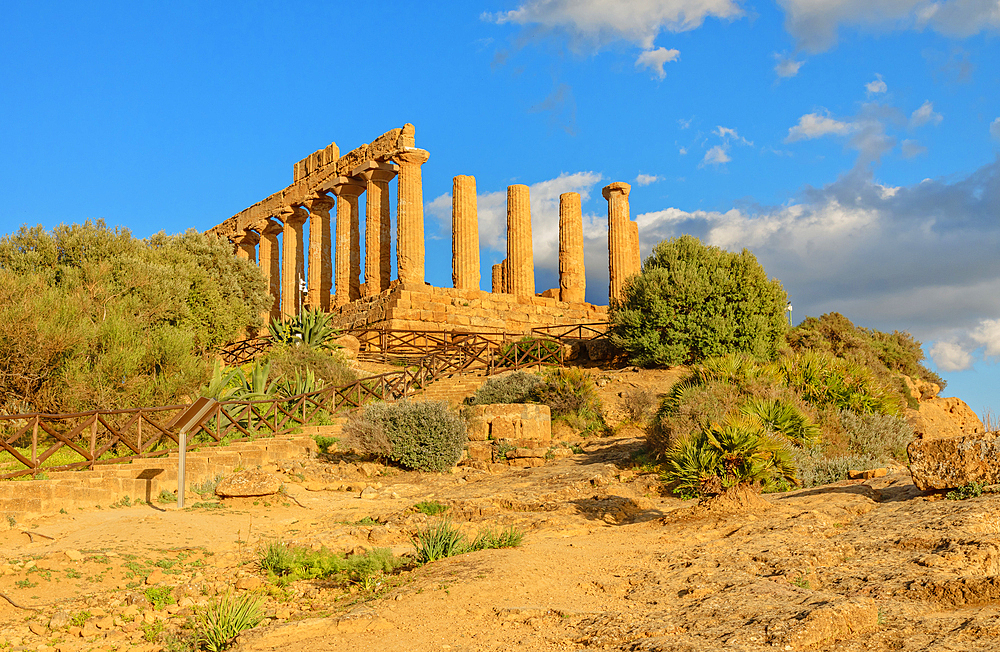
<point>593,24</point>
<point>876,85</point>
<point>995,128</point>
<point>717,155</point>
<point>786,66</point>
<point>925,114</point>
<point>815,24</point>
<point>646,179</point>
<point>654,60</point>
<point>920,255</point>
<point>814,125</point>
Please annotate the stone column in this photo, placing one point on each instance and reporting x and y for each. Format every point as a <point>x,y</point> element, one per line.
<point>464,234</point>
<point>520,260</point>
<point>320,259</point>
<point>410,216</point>
<point>572,273</point>
<point>636,256</point>
<point>377,237</point>
<point>246,246</point>
<point>270,267</point>
<point>293,260</point>
<point>348,252</point>
<point>620,257</point>
<point>497,279</point>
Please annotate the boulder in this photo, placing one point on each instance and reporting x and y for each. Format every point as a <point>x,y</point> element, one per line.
<point>349,346</point>
<point>947,463</point>
<point>943,417</point>
<point>601,349</point>
<point>509,421</point>
<point>837,620</point>
<point>247,483</point>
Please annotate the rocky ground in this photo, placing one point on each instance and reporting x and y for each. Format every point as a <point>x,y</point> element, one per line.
<point>607,563</point>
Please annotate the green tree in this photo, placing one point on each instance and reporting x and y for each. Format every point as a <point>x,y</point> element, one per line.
<point>692,302</point>
<point>95,318</point>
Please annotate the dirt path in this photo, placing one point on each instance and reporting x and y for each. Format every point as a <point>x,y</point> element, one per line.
<point>607,563</point>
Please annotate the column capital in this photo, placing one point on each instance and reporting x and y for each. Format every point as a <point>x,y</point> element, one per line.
<point>293,215</point>
<point>412,156</point>
<point>346,187</point>
<point>375,171</point>
<point>319,202</point>
<point>248,237</point>
<point>617,186</point>
<point>268,227</point>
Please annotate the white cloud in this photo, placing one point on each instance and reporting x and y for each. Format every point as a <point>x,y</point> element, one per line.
<point>684,124</point>
<point>728,134</point>
<point>815,24</point>
<point>596,23</point>
<point>787,66</point>
<point>912,148</point>
<point>995,128</point>
<point>987,335</point>
<point>876,86</point>
<point>949,356</point>
<point>646,179</point>
<point>925,114</point>
<point>814,125</point>
<point>716,156</point>
<point>654,60</point>
<point>682,150</point>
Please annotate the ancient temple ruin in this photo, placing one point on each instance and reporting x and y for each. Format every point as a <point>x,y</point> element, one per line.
<point>326,183</point>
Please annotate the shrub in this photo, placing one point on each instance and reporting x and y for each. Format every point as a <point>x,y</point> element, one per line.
<point>310,328</point>
<point>737,451</point>
<point>815,469</point>
<point>971,490</point>
<point>287,563</point>
<point>879,437</point>
<point>693,302</point>
<point>444,540</point>
<point>363,431</point>
<point>421,435</point>
<point>328,367</point>
<point>429,507</point>
<point>825,380</point>
<point>783,419</point>
<point>636,404</point>
<point>515,387</point>
<point>218,624</point>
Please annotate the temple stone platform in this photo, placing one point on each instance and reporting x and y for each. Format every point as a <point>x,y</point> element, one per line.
<point>425,307</point>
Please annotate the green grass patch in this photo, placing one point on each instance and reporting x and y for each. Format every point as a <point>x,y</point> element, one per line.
<point>284,564</point>
<point>430,507</point>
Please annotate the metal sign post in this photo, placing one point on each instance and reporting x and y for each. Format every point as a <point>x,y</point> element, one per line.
<point>194,416</point>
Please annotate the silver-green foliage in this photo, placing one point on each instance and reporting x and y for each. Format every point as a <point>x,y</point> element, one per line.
<point>419,435</point>
<point>514,387</point>
<point>692,302</point>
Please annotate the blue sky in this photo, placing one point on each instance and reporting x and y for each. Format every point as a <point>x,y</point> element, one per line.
<point>851,144</point>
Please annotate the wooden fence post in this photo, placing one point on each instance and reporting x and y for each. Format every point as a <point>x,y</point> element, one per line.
<point>34,444</point>
<point>93,441</point>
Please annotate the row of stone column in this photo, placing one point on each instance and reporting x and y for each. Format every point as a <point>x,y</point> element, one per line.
<point>335,263</point>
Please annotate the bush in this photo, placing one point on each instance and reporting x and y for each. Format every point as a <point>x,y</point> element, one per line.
<point>328,367</point>
<point>421,435</point>
<point>365,433</point>
<point>693,302</point>
<point>737,451</point>
<point>287,563</point>
<point>879,437</point>
<point>636,404</point>
<point>218,624</point>
<point>515,387</point>
<point>310,328</point>
<point>94,318</point>
<point>445,540</point>
<point>896,352</point>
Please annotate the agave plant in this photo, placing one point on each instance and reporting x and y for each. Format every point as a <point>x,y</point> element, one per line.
<point>720,456</point>
<point>309,328</point>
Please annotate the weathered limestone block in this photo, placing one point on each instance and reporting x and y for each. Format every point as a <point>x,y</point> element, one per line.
<point>520,259</point>
<point>509,421</point>
<point>293,260</point>
<point>410,216</point>
<point>572,273</point>
<point>480,451</point>
<point>347,256</point>
<point>620,250</point>
<point>464,234</point>
<point>320,258</point>
<point>943,417</point>
<point>250,482</point>
<point>950,462</point>
<point>834,621</point>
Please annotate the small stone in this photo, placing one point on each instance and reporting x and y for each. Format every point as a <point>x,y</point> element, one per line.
<point>105,623</point>
<point>59,620</point>
<point>315,486</point>
<point>249,583</point>
<point>156,577</point>
<point>74,555</point>
<point>38,628</point>
<point>249,483</point>
<point>369,492</point>
<point>89,629</point>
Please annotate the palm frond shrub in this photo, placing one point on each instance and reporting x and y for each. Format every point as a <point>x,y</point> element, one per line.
<point>720,456</point>
<point>784,419</point>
